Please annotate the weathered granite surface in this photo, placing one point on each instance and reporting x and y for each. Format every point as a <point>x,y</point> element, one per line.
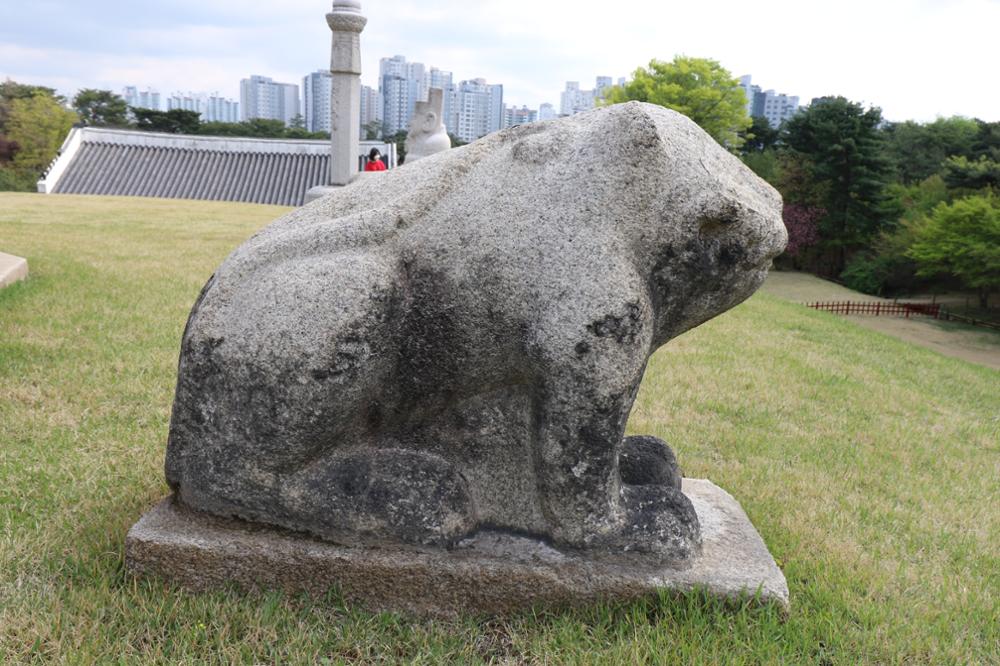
<point>427,134</point>
<point>455,346</point>
<point>490,573</point>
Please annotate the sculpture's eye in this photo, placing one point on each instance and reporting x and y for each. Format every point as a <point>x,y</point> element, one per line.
<point>719,218</point>
<point>716,224</point>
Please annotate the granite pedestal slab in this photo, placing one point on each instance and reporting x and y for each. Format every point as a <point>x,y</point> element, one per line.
<point>12,269</point>
<point>490,573</point>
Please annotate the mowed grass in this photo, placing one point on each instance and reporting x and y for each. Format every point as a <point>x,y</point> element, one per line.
<point>871,468</point>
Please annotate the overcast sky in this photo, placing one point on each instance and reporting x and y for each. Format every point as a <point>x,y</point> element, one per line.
<point>916,59</point>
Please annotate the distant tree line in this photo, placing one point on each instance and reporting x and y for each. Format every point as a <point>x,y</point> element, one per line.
<point>34,121</point>
<point>888,208</point>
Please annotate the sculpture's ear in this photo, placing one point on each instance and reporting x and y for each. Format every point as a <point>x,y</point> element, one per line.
<point>633,130</point>
<point>430,121</point>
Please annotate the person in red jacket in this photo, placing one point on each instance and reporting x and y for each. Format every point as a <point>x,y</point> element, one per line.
<point>375,162</point>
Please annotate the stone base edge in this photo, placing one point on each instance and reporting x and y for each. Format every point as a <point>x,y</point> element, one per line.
<point>490,573</point>
<point>12,269</point>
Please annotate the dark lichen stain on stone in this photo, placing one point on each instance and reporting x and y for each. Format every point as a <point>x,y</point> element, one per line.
<point>622,328</point>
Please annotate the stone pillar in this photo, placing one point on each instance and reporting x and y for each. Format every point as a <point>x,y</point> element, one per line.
<point>346,22</point>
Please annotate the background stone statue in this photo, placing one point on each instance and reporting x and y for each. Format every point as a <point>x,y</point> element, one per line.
<point>458,345</point>
<point>427,134</point>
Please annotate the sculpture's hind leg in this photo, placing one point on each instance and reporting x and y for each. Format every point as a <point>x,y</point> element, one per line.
<point>380,494</point>
<point>279,369</point>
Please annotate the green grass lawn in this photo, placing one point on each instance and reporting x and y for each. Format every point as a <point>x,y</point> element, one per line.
<point>871,467</point>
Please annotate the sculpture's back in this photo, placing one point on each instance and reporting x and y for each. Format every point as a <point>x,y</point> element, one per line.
<point>457,344</point>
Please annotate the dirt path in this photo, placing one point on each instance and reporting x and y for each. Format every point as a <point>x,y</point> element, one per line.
<point>980,346</point>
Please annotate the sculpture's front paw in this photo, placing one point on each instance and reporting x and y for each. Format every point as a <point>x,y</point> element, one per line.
<point>660,521</point>
<point>646,460</point>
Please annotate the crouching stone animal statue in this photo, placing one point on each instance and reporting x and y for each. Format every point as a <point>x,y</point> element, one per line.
<point>456,345</point>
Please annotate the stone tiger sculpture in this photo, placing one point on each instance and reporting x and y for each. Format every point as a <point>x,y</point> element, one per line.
<point>456,344</point>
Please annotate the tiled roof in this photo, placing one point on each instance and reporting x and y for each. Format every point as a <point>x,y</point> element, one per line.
<point>145,164</point>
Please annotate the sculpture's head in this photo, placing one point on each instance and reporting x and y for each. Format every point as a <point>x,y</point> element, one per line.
<point>715,225</point>
<point>702,227</point>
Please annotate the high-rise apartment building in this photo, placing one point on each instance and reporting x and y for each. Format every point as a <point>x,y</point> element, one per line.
<point>495,97</point>
<point>471,108</point>
<point>371,111</point>
<point>262,97</point>
<point>514,116</point>
<point>571,100</point>
<point>211,107</point>
<point>402,84</point>
<point>477,109</point>
<point>146,99</point>
<point>317,88</point>
<point>777,108</point>
<point>749,91</point>
<point>574,100</point>
<point>546,112</point>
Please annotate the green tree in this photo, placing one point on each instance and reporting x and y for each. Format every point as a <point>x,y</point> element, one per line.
<point>399,138</point>
<point>766,164</point>
<point>38,125</point>
<point>962,239</point>
<point>261,128</point>
<point>760,136</point>
<point>759,150</point>
<point>987,143</point>
<point>217,128</point>
<point>297,130</point>
<point>11,90</point>
<point>371,130</point>
<point>8,149</point>
<point>884,268</point>
<point>174,121</point>
<point>699,88</point>
<point>965,174</point>
<point>839,148</point>
<point>101,108</point>
<point>918,150</point>
<point>265,128</point>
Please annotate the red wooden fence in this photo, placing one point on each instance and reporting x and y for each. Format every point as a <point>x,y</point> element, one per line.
<point>879,308</point>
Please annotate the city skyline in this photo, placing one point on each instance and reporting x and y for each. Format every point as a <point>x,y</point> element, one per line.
<point>472,108</point>
<point>884,54</point>
<point>143,94</point>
